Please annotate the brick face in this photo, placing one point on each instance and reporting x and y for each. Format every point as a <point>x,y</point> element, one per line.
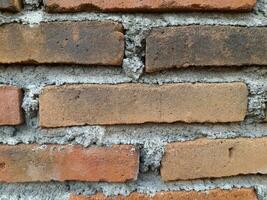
<point>30,163</point>
<point>235,194</point>
<point>10,105</point>
<point>10,5</point>
<point>139,103</point>
<point>214,158</point>
<point>147,5</point>
<point>119,99</point>
<point>89,43</point>
<point>205,46</point>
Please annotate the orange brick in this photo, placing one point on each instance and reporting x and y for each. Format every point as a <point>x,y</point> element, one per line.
<point>88,43</point>
<point>235,194</point>
<point>139,103</point>
<point>10,105</point>
<point>147,5</point>
<point>205,158</point>
<point>198,46</point>
<point>10,5</point>
<point>30,163</point>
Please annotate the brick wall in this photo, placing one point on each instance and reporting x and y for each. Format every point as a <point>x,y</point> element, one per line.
<point>104,100</point>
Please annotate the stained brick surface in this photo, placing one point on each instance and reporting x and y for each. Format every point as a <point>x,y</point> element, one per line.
<point>139,103</point>
<point>147,5</point>
<point>10,5</point>
<point>10,105</point>
<point>205,46</point>
<point>89,43</point>
<point>235,194</point>
<point>30,163</point>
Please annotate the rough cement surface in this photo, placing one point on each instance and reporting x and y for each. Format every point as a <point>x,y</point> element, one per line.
<point>32,4</point>
<point>147,184</point>
<point>149,138</point>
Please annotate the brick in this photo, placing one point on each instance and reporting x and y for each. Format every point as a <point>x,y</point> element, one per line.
<point>147,5</point>
<point>10,105</point>
<point>30,163</point>
<point>205,158</point>
<point>205,46</point>
<point>89,43</point>
<point>10,5</point>
<point>235,194</point>
<point>92,104</point>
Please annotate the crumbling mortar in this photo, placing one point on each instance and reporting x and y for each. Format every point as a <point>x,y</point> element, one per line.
<point>138,26</point>
<point>31,5</point>
<point>148,184</point>
<point>149,138</point>
<point>152,149</point>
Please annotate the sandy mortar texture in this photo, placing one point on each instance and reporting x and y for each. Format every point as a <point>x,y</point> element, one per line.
<point>149,138</point>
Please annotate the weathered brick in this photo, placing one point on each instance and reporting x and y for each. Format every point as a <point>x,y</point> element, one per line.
<point>235,194</point>
<point>147,5</point>
<point>140,103</point>
<point>30,163</point>
<point>10,5</point>
<point>205,158</point>
<point>10,105</point>
<point>89,43</point>
<point>205,46</point>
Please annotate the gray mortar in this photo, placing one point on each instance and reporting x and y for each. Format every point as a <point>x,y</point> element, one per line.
<point>149,138</point>
<point>148,184</point>
<point>32,4</point>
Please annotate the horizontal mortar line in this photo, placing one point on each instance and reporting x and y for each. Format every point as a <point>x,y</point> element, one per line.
<point>248,181</point>
<point>180,131</point>
<point>168,19</point>
<point>115,80</point>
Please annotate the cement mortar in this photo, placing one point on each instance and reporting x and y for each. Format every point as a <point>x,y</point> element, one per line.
<point>150,139</point>
<point>32,4</point>
<point>148,184</point>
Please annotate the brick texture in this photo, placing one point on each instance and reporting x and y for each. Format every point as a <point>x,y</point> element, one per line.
<point>235,194</point>
<point>214,158</point>
<point>89,43</point>
<point>10,5</point>
<point>147,5</point>
<point>139,103</point>
<point>30,163</point>
<point>10,105</point>
<point>205,46</point>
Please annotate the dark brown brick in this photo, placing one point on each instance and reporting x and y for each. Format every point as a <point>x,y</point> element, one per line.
<point>10,5</point>
<point>205,46</point>
<point>147,5</point>
<point>31,163</point>
<point>89,43</point>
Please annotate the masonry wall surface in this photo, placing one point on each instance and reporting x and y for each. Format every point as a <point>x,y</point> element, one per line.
<point>150,138</point>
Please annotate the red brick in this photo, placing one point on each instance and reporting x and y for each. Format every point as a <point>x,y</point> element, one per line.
<point>10,105</point>
<point>205,46</point>
<point>10,5</point>
<point>72,105</point>
<point>30,163</point>
<point>235,194</point>
<point>147,5</point>
<point>205,158</point>
<point>88,43</point>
